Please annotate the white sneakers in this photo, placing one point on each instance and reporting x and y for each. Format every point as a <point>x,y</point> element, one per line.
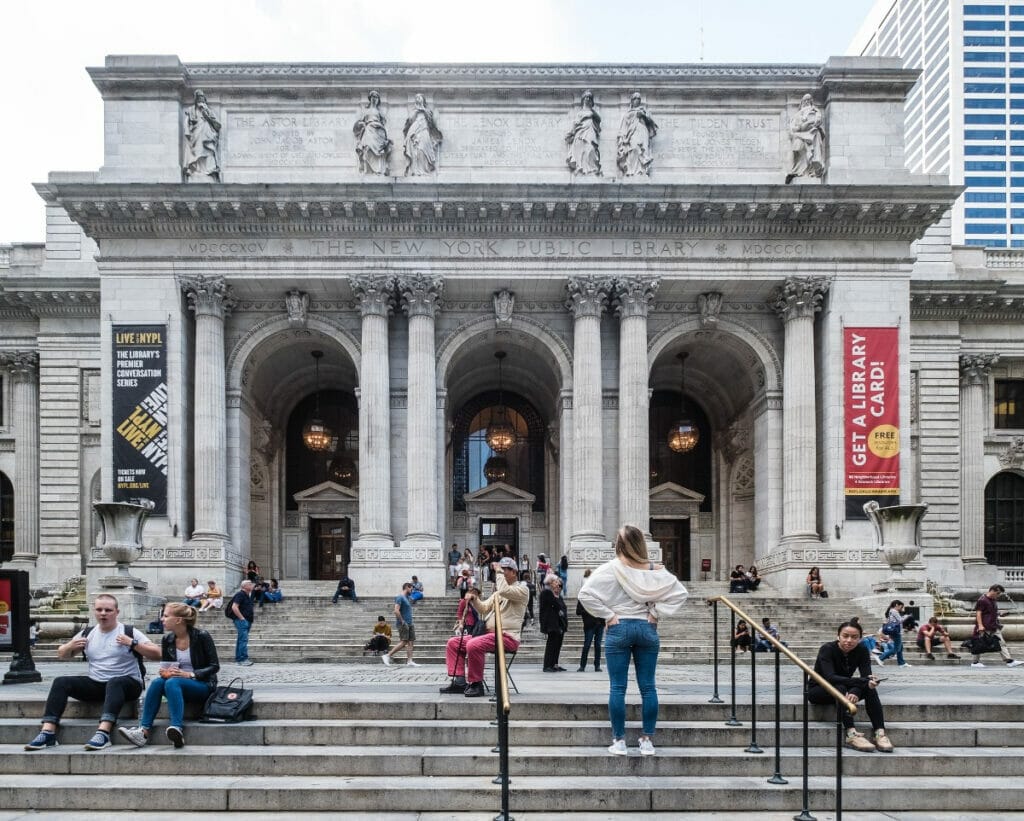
<point>977,664</point>
<point>618,747</point>
<point>1015,663</point>
<point>386,659</point>
<point>411,663</point>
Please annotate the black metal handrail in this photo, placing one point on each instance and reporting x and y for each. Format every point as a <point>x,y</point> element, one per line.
<point>503,707</point>
<point>842,703</point>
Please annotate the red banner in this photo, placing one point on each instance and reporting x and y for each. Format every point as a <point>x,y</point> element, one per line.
<point>871,405</point>
<point>6,613</point>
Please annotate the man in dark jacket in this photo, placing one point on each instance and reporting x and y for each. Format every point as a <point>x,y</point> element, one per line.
<point>240,609</point>
<point>554,621</point>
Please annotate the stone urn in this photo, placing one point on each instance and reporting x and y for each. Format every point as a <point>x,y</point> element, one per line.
<point>898,537</point>
<point>122,524</point>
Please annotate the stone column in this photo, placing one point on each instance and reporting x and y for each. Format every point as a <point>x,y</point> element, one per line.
<point>633,296</point>
<point>796,303</point>
<point>420,296</point>
<point>375,296</point>
<point>210,299</point>
<point>587,300</point>
<point>23,369</point>
<point>974,374</point>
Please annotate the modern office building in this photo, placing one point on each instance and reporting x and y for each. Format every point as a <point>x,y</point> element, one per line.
<point>276,312</point>
<point>965,116</point>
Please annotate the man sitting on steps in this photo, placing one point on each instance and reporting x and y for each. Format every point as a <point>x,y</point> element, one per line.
<point>511,596</point>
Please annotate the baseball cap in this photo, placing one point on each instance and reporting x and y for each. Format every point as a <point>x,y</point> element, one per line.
<point>508,561</point>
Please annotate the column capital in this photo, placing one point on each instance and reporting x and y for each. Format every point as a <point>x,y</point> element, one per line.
<point>23,366</point>
<point>799,297</point>
<point>588,295</point>
<point>975,368</point>
<point>421,294</point>
<point>375,294</point>
<point>633,295</point>
<point>207,296</point>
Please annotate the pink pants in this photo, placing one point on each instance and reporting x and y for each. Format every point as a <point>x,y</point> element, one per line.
<point>474,649</point>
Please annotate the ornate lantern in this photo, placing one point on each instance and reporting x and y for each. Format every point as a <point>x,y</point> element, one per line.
<point>684,435</point>
<point>501,436</point>
<point>316,435</point>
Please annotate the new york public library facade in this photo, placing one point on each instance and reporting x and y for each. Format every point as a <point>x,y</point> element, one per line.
<point>589,223</point>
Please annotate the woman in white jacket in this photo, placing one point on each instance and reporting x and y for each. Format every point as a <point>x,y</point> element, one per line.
<point>631,593</point>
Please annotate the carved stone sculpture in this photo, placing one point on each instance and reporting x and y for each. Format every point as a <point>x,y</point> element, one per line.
<point>633,143</point>
<point>202,142</point>
<point>504,304</point>
<point>584,155</point>
<point>422,139</point>
<point>898,537</point>
<point>710,306</point>
<point>372,143</point>
<point>806,142</point>
<point>297,304</point>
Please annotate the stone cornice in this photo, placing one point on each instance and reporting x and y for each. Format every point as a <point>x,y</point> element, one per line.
<point>991,300</point>
<point>49,298</point>
<point>608,207</point>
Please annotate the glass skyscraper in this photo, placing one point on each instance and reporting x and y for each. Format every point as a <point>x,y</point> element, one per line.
<point>965,116</point>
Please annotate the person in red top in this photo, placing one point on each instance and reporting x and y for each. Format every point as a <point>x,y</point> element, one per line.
<point>930,634</point>
<point>986,616</point>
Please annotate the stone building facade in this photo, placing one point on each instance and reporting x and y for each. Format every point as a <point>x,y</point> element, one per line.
<point>410,222</point>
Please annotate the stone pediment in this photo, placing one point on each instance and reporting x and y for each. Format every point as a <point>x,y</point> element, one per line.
<point>671,492</point>
<point>500,492</point>
<point>326,492</point>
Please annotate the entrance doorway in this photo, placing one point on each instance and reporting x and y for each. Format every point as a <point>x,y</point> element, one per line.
<point>329,547</point>
<point>500,532</point>
<point>674,537</point>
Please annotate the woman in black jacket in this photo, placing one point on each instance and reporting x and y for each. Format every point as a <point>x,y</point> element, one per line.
<point>188,673</point>
<point>554,621</point>
<point>846,664</point>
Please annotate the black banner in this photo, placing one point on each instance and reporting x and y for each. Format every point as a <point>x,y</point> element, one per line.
<point>140,414</point>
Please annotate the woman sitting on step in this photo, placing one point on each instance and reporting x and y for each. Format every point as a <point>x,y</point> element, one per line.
<point>741,636</point>
<point>845,664</point>
<point>213,597</point>
<point>188,672</point>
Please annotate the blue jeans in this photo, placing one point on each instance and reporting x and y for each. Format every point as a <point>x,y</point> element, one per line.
<point>177,691</point>
<point>636,639</point>
<point>895,649</point>
<point>242,642</point>
<point>593,635</point>
<point>192,602</point>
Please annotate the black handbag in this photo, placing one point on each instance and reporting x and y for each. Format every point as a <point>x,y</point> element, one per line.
<point>228,705</point>
<point>982,643</point>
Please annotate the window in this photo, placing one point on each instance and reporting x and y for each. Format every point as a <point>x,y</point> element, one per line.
<point>985,213</point>
<point>984,88</point>
<point>1004,520</point>
<point>984,228</point>
<point>1009,403</point>
<point>984,196</point>
<point>984,134</point>
<point>984,41</point>
<point>6,519</point>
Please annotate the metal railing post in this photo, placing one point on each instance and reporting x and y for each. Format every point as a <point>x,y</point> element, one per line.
<point>805,814</point>
<point>840,737</point>
<point>753,748</point>
<point>715,699</point>
<point>777,776</point>
<point>732,722</point>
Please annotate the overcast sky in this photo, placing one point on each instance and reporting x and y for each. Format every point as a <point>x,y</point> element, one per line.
<point>55,117</point>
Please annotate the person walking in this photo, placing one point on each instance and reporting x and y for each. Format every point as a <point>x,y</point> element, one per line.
<point>240,610</point>
<point>593,632</point>
<point>406,632</point>
<point>631,593</point>
<point>986,616</point>
<point>554,621</point>
<point>893,628</point>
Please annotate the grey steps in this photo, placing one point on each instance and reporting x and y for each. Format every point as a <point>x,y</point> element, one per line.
<point>965,762</point>
<point>532,793</point>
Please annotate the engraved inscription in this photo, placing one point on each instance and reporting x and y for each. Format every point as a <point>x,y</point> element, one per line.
<point>721,141</point>
<point>503,140</point>
<point>309,138</point>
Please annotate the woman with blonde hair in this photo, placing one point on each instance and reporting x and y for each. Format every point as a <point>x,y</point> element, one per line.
<point>631,593</point>
<point>188,672</point>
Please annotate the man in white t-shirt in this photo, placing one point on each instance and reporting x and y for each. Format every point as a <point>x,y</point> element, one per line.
<point>114,674</point>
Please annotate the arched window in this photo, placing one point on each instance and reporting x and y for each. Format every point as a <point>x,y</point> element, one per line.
<point>303,468</point>
<point>525,460</point>
<point>1004,520</point>
<point>690,470</point>
<point>6,518</point>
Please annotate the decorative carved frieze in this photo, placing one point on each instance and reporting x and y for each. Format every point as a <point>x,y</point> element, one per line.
<point>207,296</point>
<point>632,296</point>
<point>975,369</point>
<point>951,304</point>
<point>799,297</point>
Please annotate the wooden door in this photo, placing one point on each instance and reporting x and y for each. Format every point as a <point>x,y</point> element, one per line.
<point>674,537</point>
<point>329,547</point>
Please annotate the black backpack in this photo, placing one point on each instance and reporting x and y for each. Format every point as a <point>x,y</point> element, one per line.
<point>129,631</point>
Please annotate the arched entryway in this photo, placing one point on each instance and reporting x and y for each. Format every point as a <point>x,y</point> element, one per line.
<point>1004,520</point>
<point>6,518</point>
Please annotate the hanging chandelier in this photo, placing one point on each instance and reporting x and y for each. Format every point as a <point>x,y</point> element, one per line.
<point>316,435</point>
<point>496,469</point>
<point>684,435</point>
<point>501,436</point>
<point>342,469</point>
